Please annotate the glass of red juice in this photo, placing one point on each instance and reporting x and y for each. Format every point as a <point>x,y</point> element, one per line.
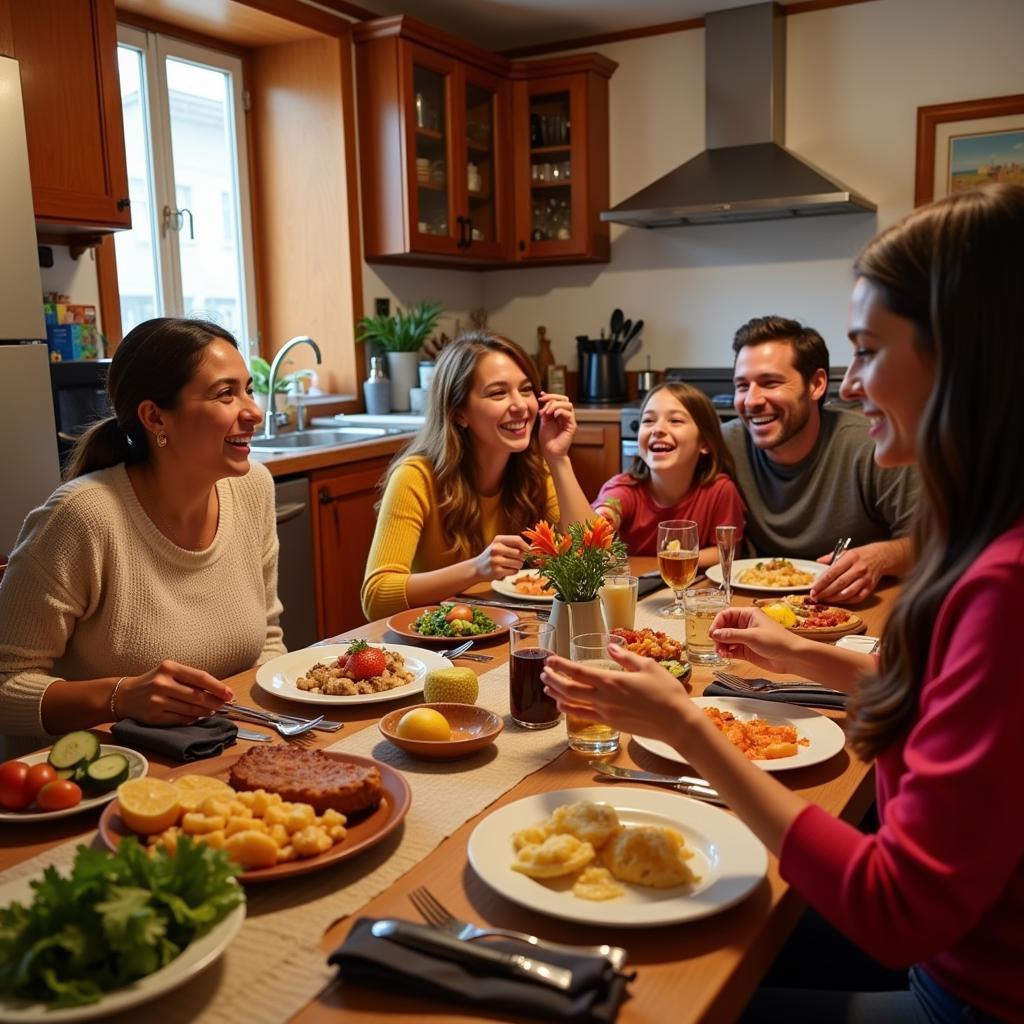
<point>530,644</point>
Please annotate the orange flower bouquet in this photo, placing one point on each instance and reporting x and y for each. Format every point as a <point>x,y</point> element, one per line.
<point>575,561</point>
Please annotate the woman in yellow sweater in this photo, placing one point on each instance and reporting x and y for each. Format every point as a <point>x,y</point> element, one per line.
<point>492,459</point>
<point>152,573</point>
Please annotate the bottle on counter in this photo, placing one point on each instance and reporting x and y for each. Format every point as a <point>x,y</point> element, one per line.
<point>545,359</point>
<point>377,388</point>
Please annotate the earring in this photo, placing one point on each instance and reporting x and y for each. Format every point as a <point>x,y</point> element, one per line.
<point>161,439</point>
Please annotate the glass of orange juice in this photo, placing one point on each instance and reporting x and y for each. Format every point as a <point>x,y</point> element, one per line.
<point>586,736</point>
<point>618,599</point>
<point>678,552</point>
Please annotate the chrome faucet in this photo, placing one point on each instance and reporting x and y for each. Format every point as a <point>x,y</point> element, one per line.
<point>271,423</point>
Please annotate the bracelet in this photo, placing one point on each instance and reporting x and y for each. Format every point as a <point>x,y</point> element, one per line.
<point>113,698</point>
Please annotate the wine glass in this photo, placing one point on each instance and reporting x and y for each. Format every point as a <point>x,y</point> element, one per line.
<point>726,537</point>
<point>678,551</point>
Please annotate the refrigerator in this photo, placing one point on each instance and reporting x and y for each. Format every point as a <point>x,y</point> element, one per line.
<point>29,467</point>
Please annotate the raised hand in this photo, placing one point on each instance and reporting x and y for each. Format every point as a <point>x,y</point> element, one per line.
<point>502,557</point>
<point>750,635</point>
<point>853,578</point>
<point>170,694</point>
<point>557,425</point>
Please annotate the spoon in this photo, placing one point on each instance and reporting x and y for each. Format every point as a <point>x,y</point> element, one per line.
<point>623,334</point>
<point>617,318</point>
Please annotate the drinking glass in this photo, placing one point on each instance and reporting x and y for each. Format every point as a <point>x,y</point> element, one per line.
<point>530,644</point>
<point>726,538</point>
<point>677,560</point>
<point>618,598</point>
<point>702,605</point>
<point>585,736</point>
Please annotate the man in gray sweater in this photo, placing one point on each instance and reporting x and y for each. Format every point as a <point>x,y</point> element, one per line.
<point>808,473</point>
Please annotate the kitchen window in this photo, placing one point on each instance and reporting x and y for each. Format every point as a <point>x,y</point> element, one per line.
<point>189,252</point>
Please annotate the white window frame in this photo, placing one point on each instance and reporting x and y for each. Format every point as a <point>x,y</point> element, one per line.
<point>155,49</point>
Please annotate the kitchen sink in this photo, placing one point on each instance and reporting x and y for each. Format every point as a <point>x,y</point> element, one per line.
<point>305,440</point>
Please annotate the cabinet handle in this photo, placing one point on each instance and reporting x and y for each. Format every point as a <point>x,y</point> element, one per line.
<point>469,232</point>
<point>461,243</point>
<point>123,204</point>
<point>289,511</point>
<point>326,497</point>
<point>522,245</point>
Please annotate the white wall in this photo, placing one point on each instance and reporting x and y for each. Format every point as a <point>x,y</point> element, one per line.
<point>74,278</point>
<point>855,78</point>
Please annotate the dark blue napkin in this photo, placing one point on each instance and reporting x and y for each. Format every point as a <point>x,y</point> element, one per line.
<point>805,698</point>
<point>182,743</point>
<point>596,992</point>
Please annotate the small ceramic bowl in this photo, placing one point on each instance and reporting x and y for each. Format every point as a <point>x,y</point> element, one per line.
<point>473,728</point>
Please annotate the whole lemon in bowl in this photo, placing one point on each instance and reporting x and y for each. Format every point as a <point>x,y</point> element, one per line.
<point>423,724</point>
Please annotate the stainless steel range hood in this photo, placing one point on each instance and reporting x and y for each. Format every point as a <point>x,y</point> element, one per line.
<point>745,173</point>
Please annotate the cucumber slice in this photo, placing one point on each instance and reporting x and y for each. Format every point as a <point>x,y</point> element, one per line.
<point>106,773</point>
<point>75,749</point>
<point>66,773</point>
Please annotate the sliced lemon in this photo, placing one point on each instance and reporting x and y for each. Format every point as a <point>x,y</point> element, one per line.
<point>148,806</point>
<point>673,545</point>
<point>194,789</point>
<point>781,613</point>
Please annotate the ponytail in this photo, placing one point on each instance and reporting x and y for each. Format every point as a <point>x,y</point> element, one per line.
<point>103,445</point>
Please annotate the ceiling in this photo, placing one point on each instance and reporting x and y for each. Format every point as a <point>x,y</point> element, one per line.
<point>510,24</point>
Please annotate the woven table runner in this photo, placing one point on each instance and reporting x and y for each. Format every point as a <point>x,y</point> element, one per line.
<point>273,967</point>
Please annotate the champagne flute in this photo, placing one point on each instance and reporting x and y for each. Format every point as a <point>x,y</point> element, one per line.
<point>678,551</point>
<point>726,537</point>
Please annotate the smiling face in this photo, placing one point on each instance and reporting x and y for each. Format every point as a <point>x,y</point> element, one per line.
<point>890,375</point>
<point>668,440</point>
<point>501,407</point>
<point>210,427</point>
<point>777,406</point>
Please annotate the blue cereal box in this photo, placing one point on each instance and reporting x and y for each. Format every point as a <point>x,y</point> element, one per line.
<point>73,341</point>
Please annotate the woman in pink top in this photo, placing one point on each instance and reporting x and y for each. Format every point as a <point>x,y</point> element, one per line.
<point>935,322</point>
<point>683,471</point>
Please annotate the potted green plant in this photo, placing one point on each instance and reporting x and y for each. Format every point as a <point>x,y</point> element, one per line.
<point>401,336</point>
<point>260,370</point>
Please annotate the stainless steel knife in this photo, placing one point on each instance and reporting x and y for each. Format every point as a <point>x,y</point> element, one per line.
<point>690,785</point>
<point>430,940</point>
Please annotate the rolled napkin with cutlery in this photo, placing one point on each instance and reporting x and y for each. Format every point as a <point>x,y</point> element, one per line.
<point>594,992</point>
<point>809,698</point>
<point>182,743</point>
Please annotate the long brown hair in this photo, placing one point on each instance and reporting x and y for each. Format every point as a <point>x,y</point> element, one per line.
<point>155,361</point>
<point>954,269</point>
<point>717,459</point>
<point>448,450</point>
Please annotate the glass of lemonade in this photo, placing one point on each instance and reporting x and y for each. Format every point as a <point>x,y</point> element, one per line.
<point>586,736</point>
<point>618,599</point>
<point>702,605</point>
<point>530,644</point>
<point>677,560</point>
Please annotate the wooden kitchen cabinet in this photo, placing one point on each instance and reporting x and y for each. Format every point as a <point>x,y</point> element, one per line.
<point>344,519</point>
<point>595,455</point>
<point>68,61</point>
<point>469,159</point>
<point>560,124</point>
<point>434,146</point>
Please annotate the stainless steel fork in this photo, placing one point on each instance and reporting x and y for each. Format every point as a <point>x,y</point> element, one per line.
<point>761,685</point>
<point>434,913</point>
<point>459,651</point>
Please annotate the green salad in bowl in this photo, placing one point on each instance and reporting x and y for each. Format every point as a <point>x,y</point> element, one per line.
<point>454,620</point>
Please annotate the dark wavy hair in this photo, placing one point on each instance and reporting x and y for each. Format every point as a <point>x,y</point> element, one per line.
<point>953,269</point>
<point>718,458</point>
<point>155,361</point>
<point>447,448</point>
<point>810,353</point>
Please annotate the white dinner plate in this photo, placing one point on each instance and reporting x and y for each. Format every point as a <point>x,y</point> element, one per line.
<point>827,739</point>
<point>137,767</point>
<point>279,675</point>
<point>505,588</point>
<point>861,644</point>
<point>195,957</point>
<point>728,858</point>
<point>714,573</point>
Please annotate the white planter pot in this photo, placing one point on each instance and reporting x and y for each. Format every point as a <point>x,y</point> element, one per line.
<point>404,370</point>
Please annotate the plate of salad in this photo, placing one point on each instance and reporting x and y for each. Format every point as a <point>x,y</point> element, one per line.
<point>450,621</point>
<point>175,916</point>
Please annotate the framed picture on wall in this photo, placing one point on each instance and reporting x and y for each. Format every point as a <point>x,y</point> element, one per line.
<point>962,145</point>
<point>556,379</point>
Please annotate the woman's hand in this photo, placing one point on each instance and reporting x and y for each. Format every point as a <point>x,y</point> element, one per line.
<point>502,557</point>
<point>557,425</point>
<point>644,698</point>
<point>750,635</point>
<point>171,694</point>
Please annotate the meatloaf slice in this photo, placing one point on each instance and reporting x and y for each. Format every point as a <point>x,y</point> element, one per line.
<point>309,776</point>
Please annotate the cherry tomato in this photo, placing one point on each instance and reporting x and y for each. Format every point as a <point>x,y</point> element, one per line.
<point>59,795</point>
<point>38,776</point>
<point>460,611</point>
<point>14,794</point>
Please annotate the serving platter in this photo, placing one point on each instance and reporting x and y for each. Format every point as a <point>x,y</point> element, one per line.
<point>728,858</point>
<point>362,831</point>
<point>506,589</point>
<point>740,566</point>
<point>401,623</point>
<point>853,624</point>
<point>279,676</point>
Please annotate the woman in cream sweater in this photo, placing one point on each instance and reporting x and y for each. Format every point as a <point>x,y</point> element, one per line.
<point>152,573</point>
<point>480,471</point>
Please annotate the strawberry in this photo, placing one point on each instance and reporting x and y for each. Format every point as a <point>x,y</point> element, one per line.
<point>364,661</point>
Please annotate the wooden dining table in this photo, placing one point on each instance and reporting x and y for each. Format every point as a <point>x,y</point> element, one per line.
<point>699,971</point>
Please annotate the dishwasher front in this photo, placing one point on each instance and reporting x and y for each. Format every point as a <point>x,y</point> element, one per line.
<point>295,571</point>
